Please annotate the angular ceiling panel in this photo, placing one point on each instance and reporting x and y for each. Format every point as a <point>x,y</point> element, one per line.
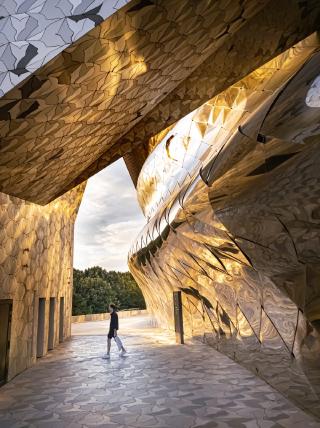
<point>95,85</point>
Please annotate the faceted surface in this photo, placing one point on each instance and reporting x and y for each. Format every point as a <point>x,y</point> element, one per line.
<point>231,195</point>
<point>36,257</point>
<point>111,68</point>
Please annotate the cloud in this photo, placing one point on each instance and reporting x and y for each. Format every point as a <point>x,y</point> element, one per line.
<point>108,221</point>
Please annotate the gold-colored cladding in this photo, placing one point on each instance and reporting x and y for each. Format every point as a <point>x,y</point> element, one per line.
<point>72,110</point>
<point>36,258</point>
<point>200,135</point>
<point>137,72</point>
<point>233,222</point>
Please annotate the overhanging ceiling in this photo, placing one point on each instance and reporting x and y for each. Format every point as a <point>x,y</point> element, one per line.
<point>138,71</point>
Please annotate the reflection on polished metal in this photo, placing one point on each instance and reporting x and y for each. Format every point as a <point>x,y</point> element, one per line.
<point>101,76</point>
<point>232,198</point>
<point>222,145</point>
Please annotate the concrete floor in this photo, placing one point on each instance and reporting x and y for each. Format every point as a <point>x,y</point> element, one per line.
<point>159,384</point>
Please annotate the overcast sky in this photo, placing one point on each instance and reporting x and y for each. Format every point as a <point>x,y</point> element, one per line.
<point>108,221</point>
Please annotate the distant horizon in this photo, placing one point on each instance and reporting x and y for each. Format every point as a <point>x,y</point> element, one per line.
<point>110,270</point>
<point>107,223</point>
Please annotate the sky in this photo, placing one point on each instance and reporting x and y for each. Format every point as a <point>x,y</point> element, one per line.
<point>108,221</point>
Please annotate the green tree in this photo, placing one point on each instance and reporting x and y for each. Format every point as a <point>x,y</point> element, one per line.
<point>95,288</point>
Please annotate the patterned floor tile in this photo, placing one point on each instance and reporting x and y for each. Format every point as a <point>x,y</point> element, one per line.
<point>160,385</point>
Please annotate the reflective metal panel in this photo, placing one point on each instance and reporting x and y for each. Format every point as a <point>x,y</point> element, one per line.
<point>232,195</point>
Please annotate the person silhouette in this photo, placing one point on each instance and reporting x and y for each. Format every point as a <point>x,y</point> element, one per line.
<point>113,331</point>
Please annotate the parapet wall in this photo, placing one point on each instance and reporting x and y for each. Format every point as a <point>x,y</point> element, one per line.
<point>106,315</point>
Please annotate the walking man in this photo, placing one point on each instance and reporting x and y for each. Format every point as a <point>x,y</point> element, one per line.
<point>113,331</point>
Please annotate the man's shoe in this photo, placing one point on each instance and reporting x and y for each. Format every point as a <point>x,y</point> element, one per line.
<point>122,352</point>
<point>106,357</point>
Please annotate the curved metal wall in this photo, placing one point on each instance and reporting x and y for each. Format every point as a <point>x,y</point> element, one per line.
<point>232,200</point>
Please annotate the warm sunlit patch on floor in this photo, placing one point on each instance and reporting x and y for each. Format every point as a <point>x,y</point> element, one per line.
<point>159,384</point>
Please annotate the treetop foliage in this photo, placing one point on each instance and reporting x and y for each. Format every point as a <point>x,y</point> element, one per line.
<point>95,288</point>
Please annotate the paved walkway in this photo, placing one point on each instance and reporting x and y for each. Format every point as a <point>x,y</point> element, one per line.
<point>159,384</point>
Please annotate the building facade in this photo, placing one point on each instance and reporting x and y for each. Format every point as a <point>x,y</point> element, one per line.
<point>231,196</point>
<point>36,278</point>
<point>214,106</point>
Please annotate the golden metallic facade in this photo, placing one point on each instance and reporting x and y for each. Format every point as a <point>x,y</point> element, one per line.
<point>229,148</point>
<point>231,195</point>
<point>131,74</point>
<point>36,258</point>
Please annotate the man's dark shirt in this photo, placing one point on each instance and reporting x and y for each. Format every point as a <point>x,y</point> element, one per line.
<point>114,322</point>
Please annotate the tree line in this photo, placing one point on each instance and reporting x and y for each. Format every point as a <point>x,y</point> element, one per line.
<point>95,288</point>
